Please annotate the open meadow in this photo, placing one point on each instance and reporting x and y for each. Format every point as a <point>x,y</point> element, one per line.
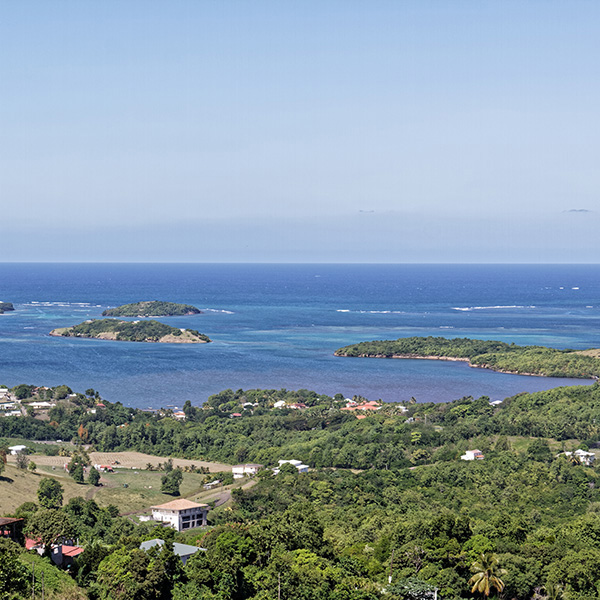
<point>131,487</point>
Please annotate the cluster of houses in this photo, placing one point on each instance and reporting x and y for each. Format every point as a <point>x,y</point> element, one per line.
<point>582,456</point>
<point>12,407</point>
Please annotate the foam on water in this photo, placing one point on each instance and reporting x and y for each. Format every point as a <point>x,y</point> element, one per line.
<point>277,326</point>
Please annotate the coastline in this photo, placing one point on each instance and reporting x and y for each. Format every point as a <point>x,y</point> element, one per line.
<point>458,359</point>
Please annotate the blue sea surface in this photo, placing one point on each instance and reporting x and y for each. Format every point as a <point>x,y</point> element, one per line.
<point>277,326</point>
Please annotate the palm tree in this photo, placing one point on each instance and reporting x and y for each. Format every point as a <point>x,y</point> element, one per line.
<point>554,591</point>
<point>487,575</point>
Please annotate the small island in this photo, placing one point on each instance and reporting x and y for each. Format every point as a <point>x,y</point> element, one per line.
<point>152,308</point>
<point>6,307</point>
<point>132,331</point>
<point>485,354</point>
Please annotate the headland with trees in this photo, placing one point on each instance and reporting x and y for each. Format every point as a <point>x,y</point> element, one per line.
<point>486,354</point>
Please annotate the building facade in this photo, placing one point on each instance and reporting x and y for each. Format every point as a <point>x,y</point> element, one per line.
<point>181,514</point>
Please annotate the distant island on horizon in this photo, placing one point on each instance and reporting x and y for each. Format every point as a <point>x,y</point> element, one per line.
<point>152,308</point>
<point>6,307</point>
<point>132,331</point>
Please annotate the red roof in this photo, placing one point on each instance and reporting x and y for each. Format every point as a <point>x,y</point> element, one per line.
<point>30,544</point>
<point>72,551</point>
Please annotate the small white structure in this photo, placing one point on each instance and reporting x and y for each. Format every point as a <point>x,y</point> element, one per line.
<point>181,514</point>
<point>240,471</point>
<point>13,413</point>
<point>472,455</point>
<point>41,404</point>
<point>296,463</point>
<point>16,449</point>
<point>3,392</point>
<point>585,458</point>
<point>279,404</point>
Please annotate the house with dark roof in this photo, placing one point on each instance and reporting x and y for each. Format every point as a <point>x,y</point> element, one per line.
<point>184,551</point>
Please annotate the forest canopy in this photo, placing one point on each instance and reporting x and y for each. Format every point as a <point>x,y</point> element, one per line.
<point>132,331</point>
<point>152,308</point>
<point>488,354</point>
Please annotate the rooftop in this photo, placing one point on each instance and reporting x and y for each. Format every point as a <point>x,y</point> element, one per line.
<point>178,549</point>
<point>182,504</point>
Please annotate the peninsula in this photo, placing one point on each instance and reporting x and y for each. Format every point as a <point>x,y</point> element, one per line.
<point>6,307</point>
<point>152,308</point>
<point>132,331</point>
<point>486,354</point>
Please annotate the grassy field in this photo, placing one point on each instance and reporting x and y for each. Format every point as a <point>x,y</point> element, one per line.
<point>131,487</point>
<point>18,486</point>
<point>129,460</point>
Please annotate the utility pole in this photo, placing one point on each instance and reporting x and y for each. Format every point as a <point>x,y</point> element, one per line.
<point>33,580</point>
<point>42,585</point>
<point>278,586</point>
<point>391,567</point>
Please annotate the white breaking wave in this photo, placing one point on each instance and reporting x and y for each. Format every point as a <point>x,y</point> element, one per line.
<point>371,312</point>
<point>216,310</point>
<point>59,303</point>
<point>469,308</point>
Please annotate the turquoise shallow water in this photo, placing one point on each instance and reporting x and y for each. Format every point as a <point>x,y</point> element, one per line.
<point>277,326</point>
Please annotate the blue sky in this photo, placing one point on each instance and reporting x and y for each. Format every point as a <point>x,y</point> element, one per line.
<point>313,131</point>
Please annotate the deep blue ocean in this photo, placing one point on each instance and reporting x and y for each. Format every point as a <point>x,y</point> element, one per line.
<point>277,326</point>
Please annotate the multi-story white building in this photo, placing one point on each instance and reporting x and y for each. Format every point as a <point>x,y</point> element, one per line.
<point>181,514</point>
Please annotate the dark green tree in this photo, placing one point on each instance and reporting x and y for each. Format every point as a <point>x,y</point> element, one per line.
<point>94,476</point>
<point>77,474</point>
<point>13,574</point>
<point>49,526</point>
<point>50,493</point>
<point>171,481</point>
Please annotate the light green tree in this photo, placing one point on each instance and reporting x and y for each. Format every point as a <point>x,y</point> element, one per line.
<point>486,575</point>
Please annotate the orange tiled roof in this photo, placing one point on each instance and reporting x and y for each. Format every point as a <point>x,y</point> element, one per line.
<point>182,504</point>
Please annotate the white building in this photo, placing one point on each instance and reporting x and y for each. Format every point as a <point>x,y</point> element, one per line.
<point>585,458</point>
<point>296,463</point>
<point>181,514</point>
<point>16,449</point>
<point>472,455</point>
<point>41,404</point>
<point>240,471</point>
<point>279,404</point>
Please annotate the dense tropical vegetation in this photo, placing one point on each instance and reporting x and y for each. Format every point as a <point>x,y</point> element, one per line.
<point>151,308</point>
<point>131,331</point>
<point>488,354</point>
<point>387,496</point>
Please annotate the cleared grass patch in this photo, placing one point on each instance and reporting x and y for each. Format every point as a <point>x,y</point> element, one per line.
<point>17,486</point>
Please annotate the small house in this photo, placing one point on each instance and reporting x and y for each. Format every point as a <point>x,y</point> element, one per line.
<point>585,458</point>
<point>302,468</point>
<point>472,455</point>
<point>184,551</point>
<point>240,471</point>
